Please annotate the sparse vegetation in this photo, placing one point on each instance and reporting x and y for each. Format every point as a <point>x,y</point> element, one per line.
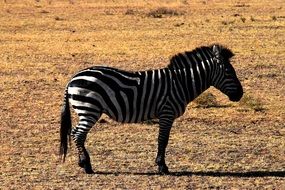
<point>206,100</point>
<point>228,22</point>
<point>57,18</point>
<point>44,11</point>
<point>130,12</point>
<point>179,24</point>
<point>242,5</point>
<point>243,19</point>
<point>217,148</point>
<point>274,18</point>
<point>163,11</point>
<point>252,103</point>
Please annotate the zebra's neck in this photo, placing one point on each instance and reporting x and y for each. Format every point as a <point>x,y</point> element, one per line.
<point>192,71</point>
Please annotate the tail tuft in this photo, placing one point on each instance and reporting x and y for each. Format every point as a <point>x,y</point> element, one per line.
<point>65,128</point>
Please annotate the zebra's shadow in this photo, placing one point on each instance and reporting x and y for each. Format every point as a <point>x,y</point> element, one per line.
<point>248,174</point>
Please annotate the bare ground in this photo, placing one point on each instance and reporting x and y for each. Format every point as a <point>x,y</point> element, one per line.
<point>230,146</point>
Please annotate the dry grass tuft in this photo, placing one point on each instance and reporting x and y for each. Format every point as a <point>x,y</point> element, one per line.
<point>228,22</point>
<point>57,18</point>
<point>241,5</point>
<point>130,12</point>
<point>206,100</point>
<point>243,19</point>
<point>164,11</point>
<point>252,103</point>
<point>274,18</point>
<point>252,18</point>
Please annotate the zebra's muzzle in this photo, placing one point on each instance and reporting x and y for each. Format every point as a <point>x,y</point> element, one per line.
<point>235,97</point>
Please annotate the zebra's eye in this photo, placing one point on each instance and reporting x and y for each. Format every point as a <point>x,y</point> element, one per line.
<point>229,70</point>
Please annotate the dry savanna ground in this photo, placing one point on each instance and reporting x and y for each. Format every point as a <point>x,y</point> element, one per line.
<point>216,144</point>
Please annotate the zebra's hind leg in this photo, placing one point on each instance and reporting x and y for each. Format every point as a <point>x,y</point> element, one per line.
<point>79,134</point>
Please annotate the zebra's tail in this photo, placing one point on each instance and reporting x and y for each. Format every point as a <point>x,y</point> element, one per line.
<point>65,127</point>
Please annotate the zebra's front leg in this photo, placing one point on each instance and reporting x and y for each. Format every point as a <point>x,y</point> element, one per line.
<point>165,124</point>
<point>79,134</point>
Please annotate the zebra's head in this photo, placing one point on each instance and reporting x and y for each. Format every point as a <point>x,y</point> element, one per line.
<point>224,76</point>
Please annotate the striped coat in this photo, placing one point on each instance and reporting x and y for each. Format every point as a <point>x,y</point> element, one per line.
<point>132,97</point>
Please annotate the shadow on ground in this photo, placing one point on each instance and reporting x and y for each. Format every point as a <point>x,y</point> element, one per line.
<point>208,174</point>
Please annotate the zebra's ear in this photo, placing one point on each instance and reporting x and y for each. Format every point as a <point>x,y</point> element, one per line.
<point>216,50</point>
<point>221,51</point>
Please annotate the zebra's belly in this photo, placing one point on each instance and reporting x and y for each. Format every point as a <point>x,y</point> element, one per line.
<point>136,116</point>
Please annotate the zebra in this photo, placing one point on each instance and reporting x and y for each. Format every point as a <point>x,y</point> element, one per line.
<point>133,97</point>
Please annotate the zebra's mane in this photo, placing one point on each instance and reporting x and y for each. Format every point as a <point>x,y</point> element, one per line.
<point>224,52</point>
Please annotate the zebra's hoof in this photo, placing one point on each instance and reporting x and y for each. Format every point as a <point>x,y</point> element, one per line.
<point>163,170</point>
<point>89,171</point>
<point>88,168</point>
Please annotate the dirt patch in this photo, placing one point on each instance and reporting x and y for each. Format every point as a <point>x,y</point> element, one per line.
<point>43,43</point>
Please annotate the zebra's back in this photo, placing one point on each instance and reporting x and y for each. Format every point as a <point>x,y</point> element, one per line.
<point>124,96</point>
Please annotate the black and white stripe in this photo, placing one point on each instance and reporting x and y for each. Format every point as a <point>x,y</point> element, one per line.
<point>132,97</point>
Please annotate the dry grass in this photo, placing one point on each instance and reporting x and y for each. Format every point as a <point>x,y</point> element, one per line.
<point>252,103</point>
<point>42,43</point>
<point>163,11</point>
<point>206,100</point>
